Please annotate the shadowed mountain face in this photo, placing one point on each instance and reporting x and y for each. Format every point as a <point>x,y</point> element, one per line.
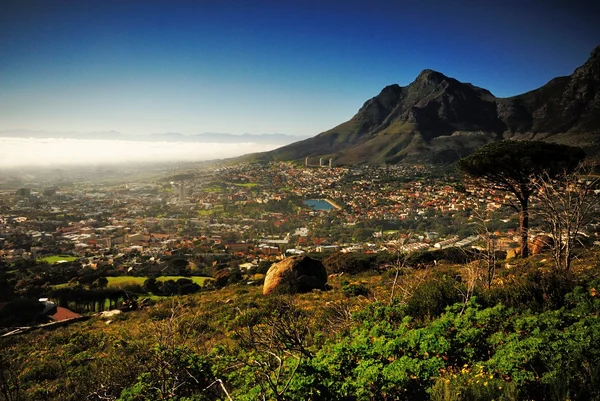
<point>439,119</point>
<point>565,104</point>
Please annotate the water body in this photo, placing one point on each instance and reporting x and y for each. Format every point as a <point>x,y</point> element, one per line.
<point>318,204</point>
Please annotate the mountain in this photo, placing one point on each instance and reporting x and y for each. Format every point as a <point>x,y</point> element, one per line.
<point>439,119</point>
<point>564,105</point>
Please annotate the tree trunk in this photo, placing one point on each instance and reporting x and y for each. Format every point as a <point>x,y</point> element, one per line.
<point>524,227</point>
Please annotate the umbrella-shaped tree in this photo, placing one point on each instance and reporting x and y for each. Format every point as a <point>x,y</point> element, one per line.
<point>512,166</point>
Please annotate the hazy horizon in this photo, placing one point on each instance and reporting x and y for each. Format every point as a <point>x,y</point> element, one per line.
<point>46,152</point>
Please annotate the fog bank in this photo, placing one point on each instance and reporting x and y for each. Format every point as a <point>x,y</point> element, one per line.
<point>20,152</point>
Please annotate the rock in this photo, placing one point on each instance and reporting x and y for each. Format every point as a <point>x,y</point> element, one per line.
<point>110,313</point>
<point>295,274</point>
<point>541,243</point>
<point>513,253</point>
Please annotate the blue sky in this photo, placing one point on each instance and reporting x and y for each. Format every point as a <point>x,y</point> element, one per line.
<point>293,67</point>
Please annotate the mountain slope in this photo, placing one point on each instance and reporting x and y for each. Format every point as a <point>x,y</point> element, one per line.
<point>565,104</point>
<point>439,119</point>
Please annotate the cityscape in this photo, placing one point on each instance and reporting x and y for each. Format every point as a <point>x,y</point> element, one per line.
<point>251,212</point>
<point>299,200</point>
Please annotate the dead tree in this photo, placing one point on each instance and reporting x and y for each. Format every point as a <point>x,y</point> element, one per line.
<point>278,343</point>
<point>566,203</point>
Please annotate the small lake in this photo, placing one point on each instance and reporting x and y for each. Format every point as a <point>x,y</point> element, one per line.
<point>318,204</point>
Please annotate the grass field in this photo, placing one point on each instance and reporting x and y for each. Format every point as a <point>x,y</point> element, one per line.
<point>56,258</point>
<point>122,281</point>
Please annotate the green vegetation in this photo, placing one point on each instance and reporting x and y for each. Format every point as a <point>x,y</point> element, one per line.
<point>122,281</point>
<point>436,332</point>
<point>450,324</point>
<point>57,258</point>
<point>246,184</point>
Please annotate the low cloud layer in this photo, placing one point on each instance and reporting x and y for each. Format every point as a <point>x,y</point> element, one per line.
<point>20,152</point>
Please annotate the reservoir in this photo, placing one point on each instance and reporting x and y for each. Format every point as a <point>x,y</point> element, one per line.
<point>318,204</point>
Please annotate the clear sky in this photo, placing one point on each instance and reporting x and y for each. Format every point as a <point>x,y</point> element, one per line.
<point>286,66</point>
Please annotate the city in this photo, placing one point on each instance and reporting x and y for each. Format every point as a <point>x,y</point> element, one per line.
<point>250,212</point>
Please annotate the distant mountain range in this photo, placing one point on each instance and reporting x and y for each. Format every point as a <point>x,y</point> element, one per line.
<point>438,119</point>
<point>207,137</point>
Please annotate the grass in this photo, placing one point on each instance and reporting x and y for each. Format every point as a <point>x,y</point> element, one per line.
<point>56,258</point>
<point>247,185</point>
<point>122,281</point>
<point>212,188</point>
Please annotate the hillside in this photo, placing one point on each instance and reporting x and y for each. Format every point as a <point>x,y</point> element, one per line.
<point>444,334</point>
<point>439,119</point>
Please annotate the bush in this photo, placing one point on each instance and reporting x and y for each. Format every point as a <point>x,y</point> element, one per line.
<point>532,287</point>
<point>135,288</point>
<point>222,278</point>
<point>432,297</point>
<point>448,255</point>
<point>354,289</point>
<point>347,263</point>
<point>188,288</point>
<point>21,312</point>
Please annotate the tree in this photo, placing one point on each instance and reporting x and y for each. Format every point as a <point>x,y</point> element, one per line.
<point>512,166</point>
<point>151,286</point>
<point>567,203</point>
<point>100,282</point>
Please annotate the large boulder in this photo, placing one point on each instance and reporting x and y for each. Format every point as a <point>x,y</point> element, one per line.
<point>295,274</point>
<point>541,243</point>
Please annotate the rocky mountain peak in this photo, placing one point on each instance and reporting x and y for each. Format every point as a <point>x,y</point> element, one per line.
<point>430,76</point>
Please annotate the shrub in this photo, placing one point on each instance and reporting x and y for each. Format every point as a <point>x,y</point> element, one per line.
<point>354,289</point>
<point>135,288</point>
<point>432,297</point>
<point>222,278</point>
<point>347,263</point>
<point>450,255</point>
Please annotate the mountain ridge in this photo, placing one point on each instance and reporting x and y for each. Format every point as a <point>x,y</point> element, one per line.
<point>439,119</point>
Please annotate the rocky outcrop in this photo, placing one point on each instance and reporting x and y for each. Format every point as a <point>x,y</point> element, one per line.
<point>295,274</point>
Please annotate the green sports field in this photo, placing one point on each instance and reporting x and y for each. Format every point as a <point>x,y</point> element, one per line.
<point>122,281</point>
<point>57,258</point>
